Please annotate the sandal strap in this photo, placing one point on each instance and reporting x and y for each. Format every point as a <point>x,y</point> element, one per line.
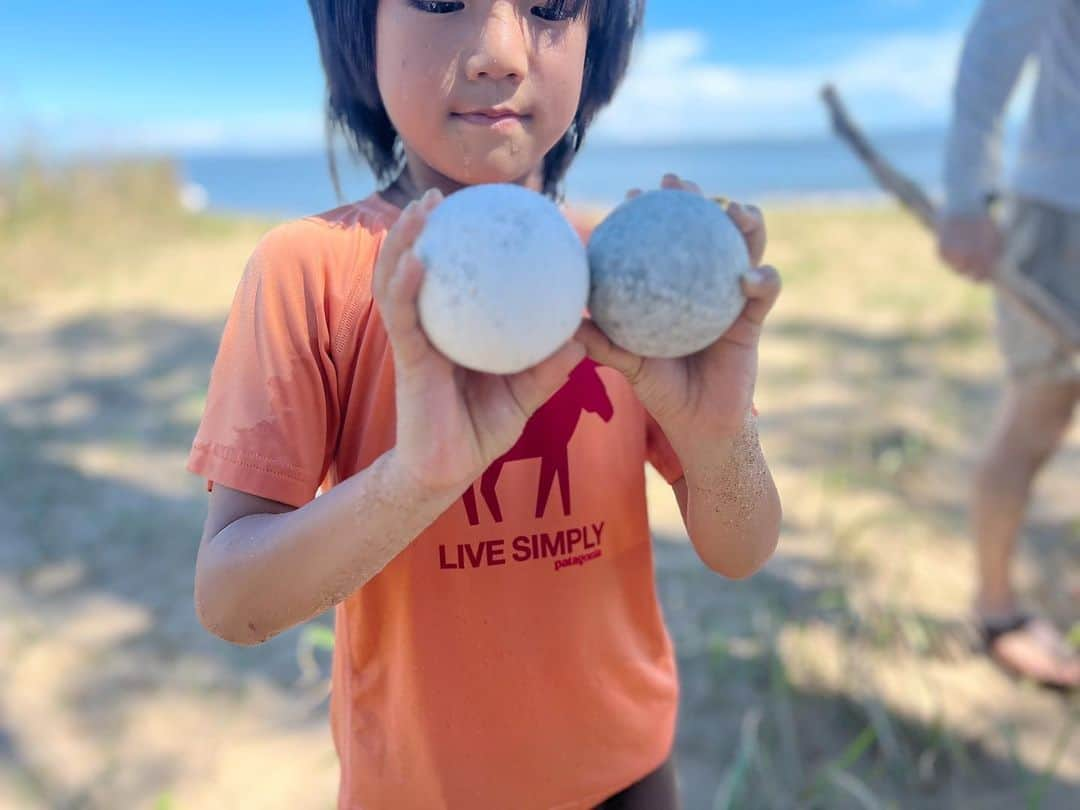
<point>992,629</point>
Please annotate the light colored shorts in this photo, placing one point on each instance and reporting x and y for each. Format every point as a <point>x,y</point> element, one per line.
<point>1044,241</point>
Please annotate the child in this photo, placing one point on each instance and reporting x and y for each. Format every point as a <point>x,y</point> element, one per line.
<point>500,651</point>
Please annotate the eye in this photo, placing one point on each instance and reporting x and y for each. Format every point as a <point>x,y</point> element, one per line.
<point>435,7</point>
<point>558,10</point>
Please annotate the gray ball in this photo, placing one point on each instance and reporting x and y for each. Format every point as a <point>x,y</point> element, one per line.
<point>665,269</point>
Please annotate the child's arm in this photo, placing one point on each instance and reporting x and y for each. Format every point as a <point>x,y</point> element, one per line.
<point>264,567</point>
<point>703,405</point>
<point>729,502</point>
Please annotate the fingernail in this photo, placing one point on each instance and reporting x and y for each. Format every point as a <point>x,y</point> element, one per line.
<point>754,276</point>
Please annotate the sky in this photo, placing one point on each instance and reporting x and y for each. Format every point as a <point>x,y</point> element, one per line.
<point>206,75</point>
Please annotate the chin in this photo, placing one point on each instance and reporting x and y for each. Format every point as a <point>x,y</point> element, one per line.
<point>492,168</point>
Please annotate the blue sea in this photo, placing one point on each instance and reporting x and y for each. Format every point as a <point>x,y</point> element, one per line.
<point>820,169</point>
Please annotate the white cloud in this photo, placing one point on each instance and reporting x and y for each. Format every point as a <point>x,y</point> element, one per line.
<point>672,92</point>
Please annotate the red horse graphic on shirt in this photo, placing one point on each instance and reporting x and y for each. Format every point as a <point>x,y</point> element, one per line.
<point>546,437</point>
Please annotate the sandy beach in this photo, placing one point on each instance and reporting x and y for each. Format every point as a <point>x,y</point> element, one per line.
<point>843,675</point>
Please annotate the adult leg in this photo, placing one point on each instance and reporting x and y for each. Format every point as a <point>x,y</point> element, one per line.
<point>1033,418</point>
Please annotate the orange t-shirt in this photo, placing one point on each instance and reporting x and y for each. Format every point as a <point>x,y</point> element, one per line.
<point>514,655</point>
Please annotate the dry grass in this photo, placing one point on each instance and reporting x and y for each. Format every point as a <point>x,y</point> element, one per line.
<point>109,234</point>
<point>878,378</point>
<point>842,676</point>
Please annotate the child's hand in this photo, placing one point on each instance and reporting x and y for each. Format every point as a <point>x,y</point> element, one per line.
<point>451,422</point>
<point>707,394</point>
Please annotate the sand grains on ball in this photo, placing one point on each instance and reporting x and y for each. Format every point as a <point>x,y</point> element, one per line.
<point>506,279</point>
<point>665,270</point>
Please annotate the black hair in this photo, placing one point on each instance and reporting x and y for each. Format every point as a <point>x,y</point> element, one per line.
<point>346,34</point>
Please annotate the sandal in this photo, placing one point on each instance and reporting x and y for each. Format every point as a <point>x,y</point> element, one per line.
<point>993,631</point>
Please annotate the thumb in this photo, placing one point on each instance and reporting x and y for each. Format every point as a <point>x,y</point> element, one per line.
<point>600,348</point>
<point>534,386</point>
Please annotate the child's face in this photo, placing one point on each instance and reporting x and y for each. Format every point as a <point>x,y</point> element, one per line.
<point>442,65</point>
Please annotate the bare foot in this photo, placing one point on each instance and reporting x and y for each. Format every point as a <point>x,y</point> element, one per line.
<point>1034,649</point>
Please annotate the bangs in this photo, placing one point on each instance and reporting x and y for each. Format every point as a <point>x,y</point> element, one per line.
<point>565,9</point>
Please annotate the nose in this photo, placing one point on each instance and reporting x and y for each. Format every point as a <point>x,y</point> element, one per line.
<point>501,50</point>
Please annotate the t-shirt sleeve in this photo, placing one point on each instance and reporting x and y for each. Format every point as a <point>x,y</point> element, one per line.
<point>270,422</point>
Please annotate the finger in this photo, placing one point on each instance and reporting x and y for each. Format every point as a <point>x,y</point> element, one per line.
<point>964,259</point>
<point>979,268</point>
<point>944,253</point>
<point>389,253</point>
<point>952,257</point>
<point>986,259</point>
<point>400,313</point>
<point>634,192</point>
<point>401,238</point>
<point>983,272</point>
<point>691,186</point>
<point>431,199</point>
<point>751,224</point>
<point>997,246</point>
<point>762,287</point>
<point>673,181</point>
<point>600,348</point>
<point>965,264</point>
<point>534,386</point>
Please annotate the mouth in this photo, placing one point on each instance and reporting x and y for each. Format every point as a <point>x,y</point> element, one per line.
<point>498,118</point>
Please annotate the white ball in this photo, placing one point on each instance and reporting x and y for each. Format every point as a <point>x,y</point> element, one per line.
<point>506,280</point>
<point>665,273</point>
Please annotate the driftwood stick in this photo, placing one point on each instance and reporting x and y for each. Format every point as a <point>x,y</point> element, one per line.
<point>916,201</point>
<point>911,196</point>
